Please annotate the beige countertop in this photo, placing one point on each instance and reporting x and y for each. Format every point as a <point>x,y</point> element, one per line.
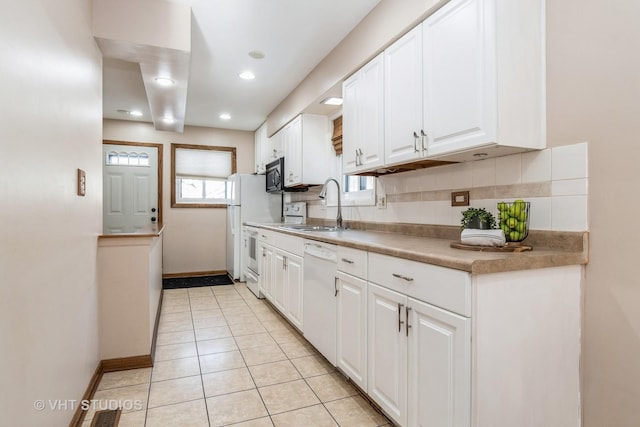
<point>550,249</point>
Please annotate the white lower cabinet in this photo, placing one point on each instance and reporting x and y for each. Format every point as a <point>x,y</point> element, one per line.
<point>419,360</point>
<point>265,281</point>
<point>439,371</point>
<point>293,286</point>
<point>281,281</point>
<point>387,352</point>
<point>351,346</point>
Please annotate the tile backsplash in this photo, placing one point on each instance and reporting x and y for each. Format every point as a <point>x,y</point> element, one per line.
<point>554,180</point>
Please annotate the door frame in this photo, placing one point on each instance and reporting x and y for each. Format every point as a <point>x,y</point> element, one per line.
<point>160,149</point>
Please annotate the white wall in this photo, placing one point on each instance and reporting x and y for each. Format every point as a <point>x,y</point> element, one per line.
<point>194,238</point>
<point>51,115</point>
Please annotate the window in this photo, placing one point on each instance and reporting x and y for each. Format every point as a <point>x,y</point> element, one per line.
<point>356,190</point>
<point>124,158</point>
<point>199,175</point>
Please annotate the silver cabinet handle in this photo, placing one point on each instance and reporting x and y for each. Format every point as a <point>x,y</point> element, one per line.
<point>400,276</point>
<point>335,286</point>
<point>359,153</point>
<point>423,136</point>
<point>357,159</point>
<point>415,142</point>
<point>348,261</point>
<point>407,310</point>
<point>284,262</point>
<point>400,321</point>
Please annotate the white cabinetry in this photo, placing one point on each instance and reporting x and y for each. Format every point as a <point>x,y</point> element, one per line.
<point>484,85</point>
<point>363,118</point>
<point>387,352</point>
<point>403,99</point>
<point>467,83</point>
<point>261,149</point>
<point>351,348</point>
<point>419,355</point>
<point>439,370</point>
<point>307,150</point>
<point>281,274</point>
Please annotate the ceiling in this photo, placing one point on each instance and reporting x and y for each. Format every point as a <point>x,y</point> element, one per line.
<point>294,35</point>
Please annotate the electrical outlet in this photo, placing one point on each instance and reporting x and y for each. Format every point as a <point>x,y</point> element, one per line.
<point>381,203</point>
<point>460,198</point>
<point>323,205</point>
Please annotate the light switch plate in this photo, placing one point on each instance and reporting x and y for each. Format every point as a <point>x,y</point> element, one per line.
<point>381,201</point>
<point>82,183</point>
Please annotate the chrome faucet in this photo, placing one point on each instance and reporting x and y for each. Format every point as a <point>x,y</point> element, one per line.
<point>323,194</point>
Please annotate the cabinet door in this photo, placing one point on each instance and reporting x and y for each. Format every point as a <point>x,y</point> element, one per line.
<point>293,152</point>
<point>266,272</point>
<point>260,148</point>
<point>351,124</point>
<point>351,334</point>
<point>439,367</point>
<point>293,279</point>
<point>279,281</point>
<point>275,147</point>
<point>363,118</point>
<point>459,76</point>
<point>372,106</point>
<point>403,98</point>
<point>387,351</point>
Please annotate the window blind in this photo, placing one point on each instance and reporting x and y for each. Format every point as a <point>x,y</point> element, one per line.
<point>202,164</point>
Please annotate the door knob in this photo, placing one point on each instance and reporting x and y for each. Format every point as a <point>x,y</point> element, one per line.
<point>153,209</point>
<point>153,219</point>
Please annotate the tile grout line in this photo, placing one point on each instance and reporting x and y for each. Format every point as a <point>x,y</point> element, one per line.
<point>204,394</point>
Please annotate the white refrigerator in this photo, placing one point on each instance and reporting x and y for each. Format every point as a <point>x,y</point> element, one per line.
<point>247,200</point>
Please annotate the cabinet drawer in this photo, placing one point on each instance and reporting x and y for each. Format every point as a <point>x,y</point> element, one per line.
<point>266,236</point>
<point>352,261</point>
<point>443,287</point>
<point>288,243</point>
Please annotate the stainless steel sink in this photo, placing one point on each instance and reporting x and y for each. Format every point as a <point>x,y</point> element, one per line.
<point>305,227</point>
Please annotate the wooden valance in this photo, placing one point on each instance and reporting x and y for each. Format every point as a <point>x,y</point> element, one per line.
<point>336,139</point>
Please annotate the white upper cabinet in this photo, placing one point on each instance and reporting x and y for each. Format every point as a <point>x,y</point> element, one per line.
<point>467,83</point>
<point>363,118</point>
<point>275,148</point>
<point>403,99</point>
<point>306,141</point>
<point>261,149</point>
<point>484,79</point>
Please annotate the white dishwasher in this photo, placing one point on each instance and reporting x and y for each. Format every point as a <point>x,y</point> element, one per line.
<point>319,297</point>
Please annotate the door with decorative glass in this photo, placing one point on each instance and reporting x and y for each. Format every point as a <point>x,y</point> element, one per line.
<point>130,188</point>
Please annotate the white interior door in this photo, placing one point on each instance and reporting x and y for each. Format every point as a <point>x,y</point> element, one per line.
<point>130,188</point>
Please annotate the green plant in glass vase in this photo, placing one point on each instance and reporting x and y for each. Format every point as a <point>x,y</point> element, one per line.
<point>478,218</point>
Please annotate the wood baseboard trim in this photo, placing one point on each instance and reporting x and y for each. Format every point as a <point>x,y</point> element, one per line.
<point>108,365</point>
<point>78,417</point>
<point>194,274</point>
<point>126,363</point>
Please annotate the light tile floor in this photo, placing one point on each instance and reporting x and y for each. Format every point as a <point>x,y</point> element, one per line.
<point>224,357</point>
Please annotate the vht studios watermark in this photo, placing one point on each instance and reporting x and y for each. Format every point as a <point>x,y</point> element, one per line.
<point>85,405</point>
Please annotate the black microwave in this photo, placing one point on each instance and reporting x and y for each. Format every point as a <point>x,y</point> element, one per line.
<point>274,173</point>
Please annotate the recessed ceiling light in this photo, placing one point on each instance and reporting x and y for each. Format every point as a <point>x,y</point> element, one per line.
<point>247,75</point>
<point>168,120</point>
<point>256,54</point>
<point>134,113</point>
<point>225,116</point>
<point>164,81</point>
<point>332,101</point>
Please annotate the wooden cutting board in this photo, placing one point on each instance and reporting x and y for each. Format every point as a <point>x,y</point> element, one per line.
<point>509,247</point>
